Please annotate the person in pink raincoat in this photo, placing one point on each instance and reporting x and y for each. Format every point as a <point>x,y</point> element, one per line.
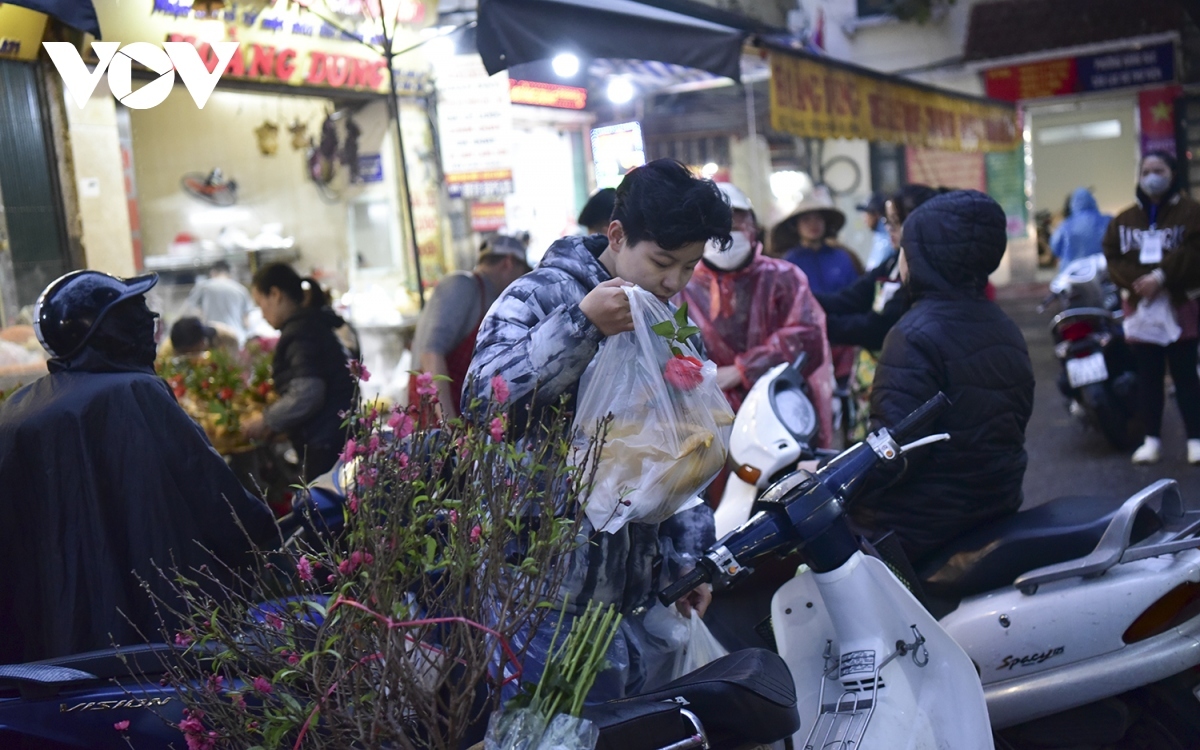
<point>755,312</point>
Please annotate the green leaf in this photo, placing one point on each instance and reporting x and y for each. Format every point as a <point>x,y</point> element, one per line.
<point>687,332</point>
<point>681,315</point>
<point>665,329</point>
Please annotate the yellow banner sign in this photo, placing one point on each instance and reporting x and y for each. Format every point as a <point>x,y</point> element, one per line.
<point>815,100</point>
<point>21,32</point>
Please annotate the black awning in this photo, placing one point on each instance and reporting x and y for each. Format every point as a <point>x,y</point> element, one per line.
<point>512,32</point>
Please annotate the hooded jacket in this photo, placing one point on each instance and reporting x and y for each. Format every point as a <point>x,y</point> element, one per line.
<point>1081,233</point>
<point>309,348</point>
<point>1177,218</point>
<point>106,480</point>
<point>535,337</point>
<point>954,340</point>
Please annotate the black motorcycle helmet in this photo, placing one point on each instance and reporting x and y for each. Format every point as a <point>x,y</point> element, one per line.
<point>69,311</point>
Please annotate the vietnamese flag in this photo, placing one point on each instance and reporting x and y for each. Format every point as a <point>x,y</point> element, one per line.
<point>1156,108</point>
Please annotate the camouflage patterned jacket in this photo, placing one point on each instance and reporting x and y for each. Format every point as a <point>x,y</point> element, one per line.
<point>537,339</point>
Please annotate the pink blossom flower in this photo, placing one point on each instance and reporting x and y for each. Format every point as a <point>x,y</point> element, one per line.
<point>476,532</point>
<point>425,386</point>
<point>275,621</point>
<point>216,682</point>
<point>372,445</point>
<point>293,658</point>
<point>500,389</point>
<point>329,579</point>
<point>121,726</point>
<point>497,429</point>
<point>684,372</point>
<point>348,453</point>
<point>262,685</point>
<point>358,558</point>
<point>401,424</point>
<point>352,501</point>
<point>345,567</point>
<point>194,733</point>
<point>358,370</point>
<point>304,569</point>
<point>183,640</point>
<point>453,516</point>
<point>368,478</point>
<point>402,459</point>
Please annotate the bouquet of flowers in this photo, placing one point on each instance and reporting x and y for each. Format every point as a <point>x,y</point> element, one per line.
<point>219,390</point>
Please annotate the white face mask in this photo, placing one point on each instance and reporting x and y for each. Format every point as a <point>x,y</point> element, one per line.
<point>1155,184</point>
<point>732,258</point>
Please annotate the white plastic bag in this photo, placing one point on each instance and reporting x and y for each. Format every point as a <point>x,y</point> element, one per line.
<point>702,647</point>
<point>1153,322</point>
<point>666,441</point>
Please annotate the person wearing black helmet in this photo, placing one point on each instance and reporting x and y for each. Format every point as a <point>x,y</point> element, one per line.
<point>106,481</point>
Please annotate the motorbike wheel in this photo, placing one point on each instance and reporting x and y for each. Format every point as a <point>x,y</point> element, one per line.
<point>1122,431</point>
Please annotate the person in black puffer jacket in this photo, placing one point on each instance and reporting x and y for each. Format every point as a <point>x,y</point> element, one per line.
<point>952,339</point>
<point>310,369</point>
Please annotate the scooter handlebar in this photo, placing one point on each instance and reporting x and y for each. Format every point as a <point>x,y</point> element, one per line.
<point>702,573</point>
<point>916,424</point>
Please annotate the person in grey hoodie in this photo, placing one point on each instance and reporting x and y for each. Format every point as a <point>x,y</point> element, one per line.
<point>541,335</point>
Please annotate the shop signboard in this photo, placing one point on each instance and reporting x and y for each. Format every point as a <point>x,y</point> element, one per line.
<point>951,169</point>
<point>488,217</point>
<point>21,32</point>
<point>1145,66</point>
<point>420,161</point>
<point>323,45</point>
<point>616,149</point>
<point>539,94</point>
<point>815,99</point>
<point>370,168</point>
<point>1006,184</point>
<point>1156,109</point>
<point>475,128</point>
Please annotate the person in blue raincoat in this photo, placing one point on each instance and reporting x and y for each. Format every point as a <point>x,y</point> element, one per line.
<point>1080,234</point>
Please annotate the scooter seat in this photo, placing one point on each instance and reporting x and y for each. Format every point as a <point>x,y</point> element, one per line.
<point>748,694</point>
<point>106,664</point>
<point>995,555</point>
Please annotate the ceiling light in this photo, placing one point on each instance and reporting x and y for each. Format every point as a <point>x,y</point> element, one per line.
<point>620,91</point>
<point>565,65</point>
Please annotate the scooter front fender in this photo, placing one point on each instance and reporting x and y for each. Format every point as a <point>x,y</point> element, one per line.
<point>929,697</point>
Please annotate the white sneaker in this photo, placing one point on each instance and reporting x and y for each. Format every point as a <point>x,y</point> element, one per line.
<point>1194,451</point>
<point>1151,451</point>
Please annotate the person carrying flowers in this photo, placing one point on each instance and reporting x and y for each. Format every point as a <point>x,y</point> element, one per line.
<point>538,340</point>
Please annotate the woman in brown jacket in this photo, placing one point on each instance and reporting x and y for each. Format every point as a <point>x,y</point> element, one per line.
<point>1153,248</point>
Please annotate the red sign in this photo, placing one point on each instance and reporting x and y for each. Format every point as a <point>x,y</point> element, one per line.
<point>541,94</point>
<point>280,64</point>
<point>1156,108</point>
<point>487,217</point>
<point>1032,81</point>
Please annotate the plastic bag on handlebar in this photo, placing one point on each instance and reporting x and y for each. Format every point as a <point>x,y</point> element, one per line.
<point>669,435</point>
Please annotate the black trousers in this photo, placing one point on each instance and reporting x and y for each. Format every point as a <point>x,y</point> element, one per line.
<point>1152,362</point>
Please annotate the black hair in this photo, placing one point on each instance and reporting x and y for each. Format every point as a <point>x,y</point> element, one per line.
<point>911,196</point>
<point>663,202</point>
<point>306,292</point>
<point>188,333</point>
<point>599,208</point>
<point>221,267</point>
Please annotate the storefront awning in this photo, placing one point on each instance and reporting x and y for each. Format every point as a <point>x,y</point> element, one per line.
<point>512,32</point>
<point>815,97</point>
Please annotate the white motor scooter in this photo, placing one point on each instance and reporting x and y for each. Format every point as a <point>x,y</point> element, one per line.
<point>1061,606</point>
<point>872,667</point>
